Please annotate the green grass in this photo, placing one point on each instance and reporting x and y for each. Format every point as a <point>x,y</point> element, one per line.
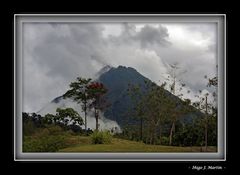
<point>83,144</point>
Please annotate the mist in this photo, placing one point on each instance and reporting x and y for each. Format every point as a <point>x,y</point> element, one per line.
<point>104,123</point>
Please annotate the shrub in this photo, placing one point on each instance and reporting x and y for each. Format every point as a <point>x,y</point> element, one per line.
<point>100,137</point>
<point>55,130</point>
<point>49,139</point>
<point>28,128</point>
<point>165,140</point>
<point>75,128</point>
<point>43,144</point>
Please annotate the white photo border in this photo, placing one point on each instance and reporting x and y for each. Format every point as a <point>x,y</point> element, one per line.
<point>220,19</point>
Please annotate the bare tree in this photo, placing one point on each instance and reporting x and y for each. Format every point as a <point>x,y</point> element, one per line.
<point>174,72</point>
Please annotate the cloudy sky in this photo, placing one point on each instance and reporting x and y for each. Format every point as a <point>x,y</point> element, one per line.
<point>54,54</point>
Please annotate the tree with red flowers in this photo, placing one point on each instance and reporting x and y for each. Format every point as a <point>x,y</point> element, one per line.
<point>96,92</point>
<point>79,94</point>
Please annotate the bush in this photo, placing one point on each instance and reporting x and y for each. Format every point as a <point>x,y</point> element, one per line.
<point>43,144</point>
<point>55,130</point>
<point>75,128</point>
<point>28,128</point>
<point>165,140</point>
<point>49,139</point>
<point>100,137</point>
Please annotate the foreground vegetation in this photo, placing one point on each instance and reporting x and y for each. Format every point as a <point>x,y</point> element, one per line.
<point>49,139</point>
<point>54,139</point>
<point>121,145</point>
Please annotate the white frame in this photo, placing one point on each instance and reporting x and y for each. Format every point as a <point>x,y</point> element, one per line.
<point>19,156</point>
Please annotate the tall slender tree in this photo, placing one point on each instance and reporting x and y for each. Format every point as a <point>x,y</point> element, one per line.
<point>175,112</point>
<point>137,96</point>
<point>79,92</point>
<point>96,92</point>
<point>209,109</point>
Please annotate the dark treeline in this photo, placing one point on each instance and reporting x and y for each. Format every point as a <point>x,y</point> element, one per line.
<point>67,119</point>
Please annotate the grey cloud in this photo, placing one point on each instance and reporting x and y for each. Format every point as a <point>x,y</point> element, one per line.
<point>194,61</point>
<point>55,54</point>
<point>100,60</point>
<point>150,35</point>
<point>207,30</point>
<point>146,37</point>
<point>64,55</point>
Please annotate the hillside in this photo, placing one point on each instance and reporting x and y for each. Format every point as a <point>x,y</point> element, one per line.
<point>117,81</point>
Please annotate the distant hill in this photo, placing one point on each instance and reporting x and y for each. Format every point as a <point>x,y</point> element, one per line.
<point>117,80</point>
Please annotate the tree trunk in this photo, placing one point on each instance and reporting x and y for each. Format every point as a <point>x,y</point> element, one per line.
<point>150,139</point>
<point>154,135</point>
<point>151,135</point>
<point>85,121</point>
<point>171,132</point>
<point>141,129</point>
<point>96,116</point>
<point>85,115</point>
<point>206,127</point>
<point>160,134</point>
<point>206,134</point>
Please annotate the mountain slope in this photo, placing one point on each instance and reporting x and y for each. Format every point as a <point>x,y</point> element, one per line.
<point>119,113</point>
<point>117,80</point>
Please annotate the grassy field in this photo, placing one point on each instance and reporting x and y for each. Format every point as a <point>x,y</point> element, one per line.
<point>83,144</point>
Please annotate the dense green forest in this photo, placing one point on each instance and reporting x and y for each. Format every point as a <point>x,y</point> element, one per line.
<point>158,117</point>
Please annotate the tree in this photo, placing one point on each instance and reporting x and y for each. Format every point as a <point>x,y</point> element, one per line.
<point>149,108</point>
<point>156,103</point>
<point>69,115</point>
<point>28,124</point>
<point>64,117</point>
<point>79,93</point>
<point>210,111</point>
<point>49,119</point>
<point>96,92</point>
<point>212,114</point>
<point>175,112</point>
<point>213,117</point>
<point>213,82</point>
<point>136,95</point>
